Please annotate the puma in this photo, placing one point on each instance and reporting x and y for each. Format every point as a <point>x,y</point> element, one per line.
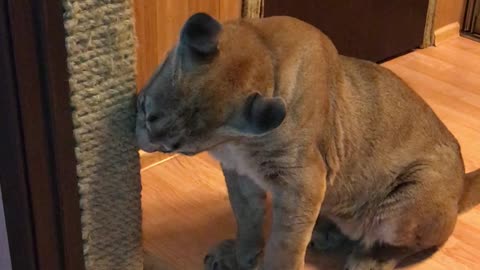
<point>334,140</point>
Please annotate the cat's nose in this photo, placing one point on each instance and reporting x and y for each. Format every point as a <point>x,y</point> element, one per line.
<point>169,147</point>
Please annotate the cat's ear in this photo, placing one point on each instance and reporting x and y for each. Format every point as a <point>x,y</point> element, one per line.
<point>259,115</point>
<point>199,36</point>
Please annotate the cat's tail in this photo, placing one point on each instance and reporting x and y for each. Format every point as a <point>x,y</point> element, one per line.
<point>471,193</point>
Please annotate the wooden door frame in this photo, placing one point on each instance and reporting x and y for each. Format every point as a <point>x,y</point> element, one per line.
<point>37,160</point>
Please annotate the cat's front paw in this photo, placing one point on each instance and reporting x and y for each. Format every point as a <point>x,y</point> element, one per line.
<point>326,238</point>
<point>366,263</point>
<point>224,257</point>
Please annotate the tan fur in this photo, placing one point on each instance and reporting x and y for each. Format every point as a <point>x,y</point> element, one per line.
<point>471,196</point>
<point>357,146</point>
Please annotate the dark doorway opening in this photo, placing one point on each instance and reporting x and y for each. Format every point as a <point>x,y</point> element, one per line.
<point>471,23</point>
<point>375,30</point>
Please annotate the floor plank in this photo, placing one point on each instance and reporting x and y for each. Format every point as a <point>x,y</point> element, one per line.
<point>185,204</point>
<point>186,211</point>
<point>148,160</point>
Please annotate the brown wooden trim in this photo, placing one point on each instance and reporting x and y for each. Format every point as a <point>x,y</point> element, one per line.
<point>446,32</point>
<point>52,45</point>
<point>13,180</point>
<point>37,154</point>
<point>41,75</point>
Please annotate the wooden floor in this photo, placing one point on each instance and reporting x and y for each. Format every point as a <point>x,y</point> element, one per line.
<point>185,203</point>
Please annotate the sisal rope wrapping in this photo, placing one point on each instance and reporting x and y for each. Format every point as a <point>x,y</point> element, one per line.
<point>428,34</point>
<point>252,8</point>
<point>101,59</point>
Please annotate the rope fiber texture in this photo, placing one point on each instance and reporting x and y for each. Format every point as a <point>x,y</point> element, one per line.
<point>101,60</point>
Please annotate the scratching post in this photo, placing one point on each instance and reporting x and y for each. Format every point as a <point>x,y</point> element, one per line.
<point>101,59</point>
<point>252,8</point>
<point>428,35</point>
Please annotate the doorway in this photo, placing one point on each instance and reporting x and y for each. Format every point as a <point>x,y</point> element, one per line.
<point>374,30</point>
<point>471,24</point>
